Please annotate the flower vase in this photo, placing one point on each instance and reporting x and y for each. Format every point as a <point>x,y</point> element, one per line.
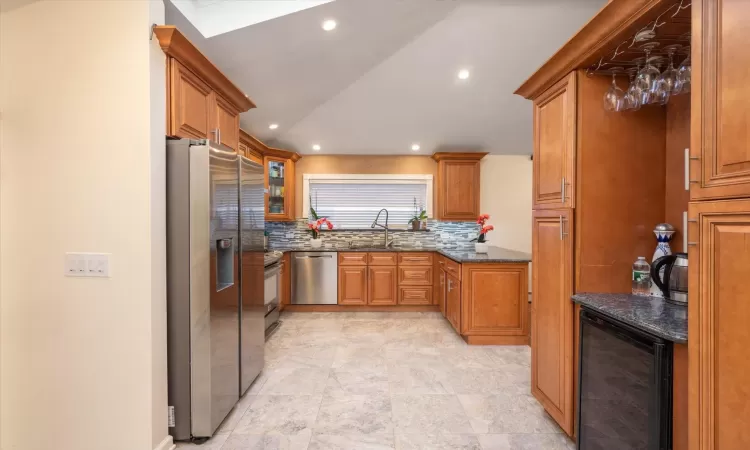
<point>481,247</point>
<point>316,242</point>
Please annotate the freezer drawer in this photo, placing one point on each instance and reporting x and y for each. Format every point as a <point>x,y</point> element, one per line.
<point>314,278</point>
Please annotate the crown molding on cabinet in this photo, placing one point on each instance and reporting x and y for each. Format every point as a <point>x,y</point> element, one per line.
<point>615,22</point>
<point>176,45</point>
<point>265,150</point>
<point>454,156</point>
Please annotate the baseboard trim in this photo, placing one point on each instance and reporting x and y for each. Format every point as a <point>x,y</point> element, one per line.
<point>166,444</point>
<point>361,308</point>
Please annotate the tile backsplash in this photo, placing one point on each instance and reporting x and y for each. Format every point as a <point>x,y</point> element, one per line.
<point>443,235</point>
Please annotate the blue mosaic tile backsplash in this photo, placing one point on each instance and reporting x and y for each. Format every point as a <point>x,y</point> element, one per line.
<point>442,235</point>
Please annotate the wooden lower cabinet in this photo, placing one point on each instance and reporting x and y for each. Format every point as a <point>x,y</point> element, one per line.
<point>552,327</point>
<point>495,301</point>
<point>415,295</point>
<point>381,285</point>
<point>415,276</point>
<point>453,302</point>
<point>718,317</point>
<point>353,285</point>
<point>440,292</point>
<point>285,274</point>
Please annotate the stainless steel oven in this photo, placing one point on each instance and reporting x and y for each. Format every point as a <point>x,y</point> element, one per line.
<point>272,290</point>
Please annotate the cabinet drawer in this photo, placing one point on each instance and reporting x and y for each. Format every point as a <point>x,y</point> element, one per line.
<point>415,259</point>
<point>452,267</point>
<point>415,295</point>
<point>415,276</point>
<point>381,259</point>
<point>352,259</point>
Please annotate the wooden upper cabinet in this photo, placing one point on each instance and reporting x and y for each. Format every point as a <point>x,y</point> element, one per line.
<point>279,172</point>
<point>200,98</point>
<point>353,285</point>
<point>554,146</point>
<point>720,141</point>
<point>552,319</point>
<point>718,313</point>
<point>381,285</point>
<point>458,185</point>
<point>190,101</point>
<point>251,147</point>
<point>225,123</point>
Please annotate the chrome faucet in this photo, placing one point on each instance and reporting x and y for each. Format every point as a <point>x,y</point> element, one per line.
<point>385,227</point>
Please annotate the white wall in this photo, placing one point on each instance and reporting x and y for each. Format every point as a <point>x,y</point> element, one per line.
<point>82,362</point>
<point>506,197</point>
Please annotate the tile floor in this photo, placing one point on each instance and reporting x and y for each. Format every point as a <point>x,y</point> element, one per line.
<point>377,381</point>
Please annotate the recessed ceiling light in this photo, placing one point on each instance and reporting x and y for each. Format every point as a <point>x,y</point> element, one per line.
<point>415,147</point>
<point>273,126</point>
<point>463,74</point>
<point>316,147</point>
<point>329,24</point>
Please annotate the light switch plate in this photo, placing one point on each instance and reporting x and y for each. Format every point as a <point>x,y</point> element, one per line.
<point>87,265</point>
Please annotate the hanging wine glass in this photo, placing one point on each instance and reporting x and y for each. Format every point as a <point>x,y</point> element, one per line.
<point>665,83</point>
<point>647,75</point>
<point>632,99</point>
<point>684,73</point>
<point>613,98</point>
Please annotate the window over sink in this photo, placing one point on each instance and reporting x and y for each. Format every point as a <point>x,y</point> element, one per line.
<point>351,201</point>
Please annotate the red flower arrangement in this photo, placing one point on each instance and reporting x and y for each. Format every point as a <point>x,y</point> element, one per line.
<point>482,220</point>
<point>317,225</point>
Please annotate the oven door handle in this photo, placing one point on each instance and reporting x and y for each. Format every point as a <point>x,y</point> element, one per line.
<point>271,271</point>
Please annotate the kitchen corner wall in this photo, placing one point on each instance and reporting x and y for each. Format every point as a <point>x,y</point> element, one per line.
<point>444,235</point>
<point>506,197</point>
<point>82,154</point>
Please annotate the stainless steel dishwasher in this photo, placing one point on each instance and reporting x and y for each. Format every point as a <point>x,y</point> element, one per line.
<point>315,278</point>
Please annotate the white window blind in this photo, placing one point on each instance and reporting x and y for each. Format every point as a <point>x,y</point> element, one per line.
<point>353,201</point>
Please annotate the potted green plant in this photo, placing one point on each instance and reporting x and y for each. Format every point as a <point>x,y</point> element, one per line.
<point>481,245</point>
<point>417,220</point>
<point>420,215</point>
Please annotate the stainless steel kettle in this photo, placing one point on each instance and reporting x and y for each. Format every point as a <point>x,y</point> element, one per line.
<point>674,284</point>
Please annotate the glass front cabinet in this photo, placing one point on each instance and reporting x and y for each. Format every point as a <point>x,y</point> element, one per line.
<point>280,184</point>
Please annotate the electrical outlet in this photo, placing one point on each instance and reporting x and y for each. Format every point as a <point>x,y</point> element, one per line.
<point>87,265</point>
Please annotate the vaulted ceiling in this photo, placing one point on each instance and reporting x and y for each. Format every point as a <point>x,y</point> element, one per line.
<point>386,77</point>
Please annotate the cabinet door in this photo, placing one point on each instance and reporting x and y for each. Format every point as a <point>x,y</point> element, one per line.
<point>381,285</point>
<point>720,143</point>
<point>453,302</point>
<point>718,316</point>
<point>352,285</point>
<point>279,174</point>
<point>285,292</point>
<point>441,292</point>
<point>190,101</point>
<point>552,314</point>
<point>226,119</point>
<point>554,146</point>
<point>495,300</point>
<point>458,197</point>
<point>415,295</point>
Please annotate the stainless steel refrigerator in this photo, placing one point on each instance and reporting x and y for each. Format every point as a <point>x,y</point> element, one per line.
<point>215,332</point>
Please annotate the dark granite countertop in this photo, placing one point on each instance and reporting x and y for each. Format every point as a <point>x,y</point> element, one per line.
<point>495,254</point>
<point>651,314</point>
